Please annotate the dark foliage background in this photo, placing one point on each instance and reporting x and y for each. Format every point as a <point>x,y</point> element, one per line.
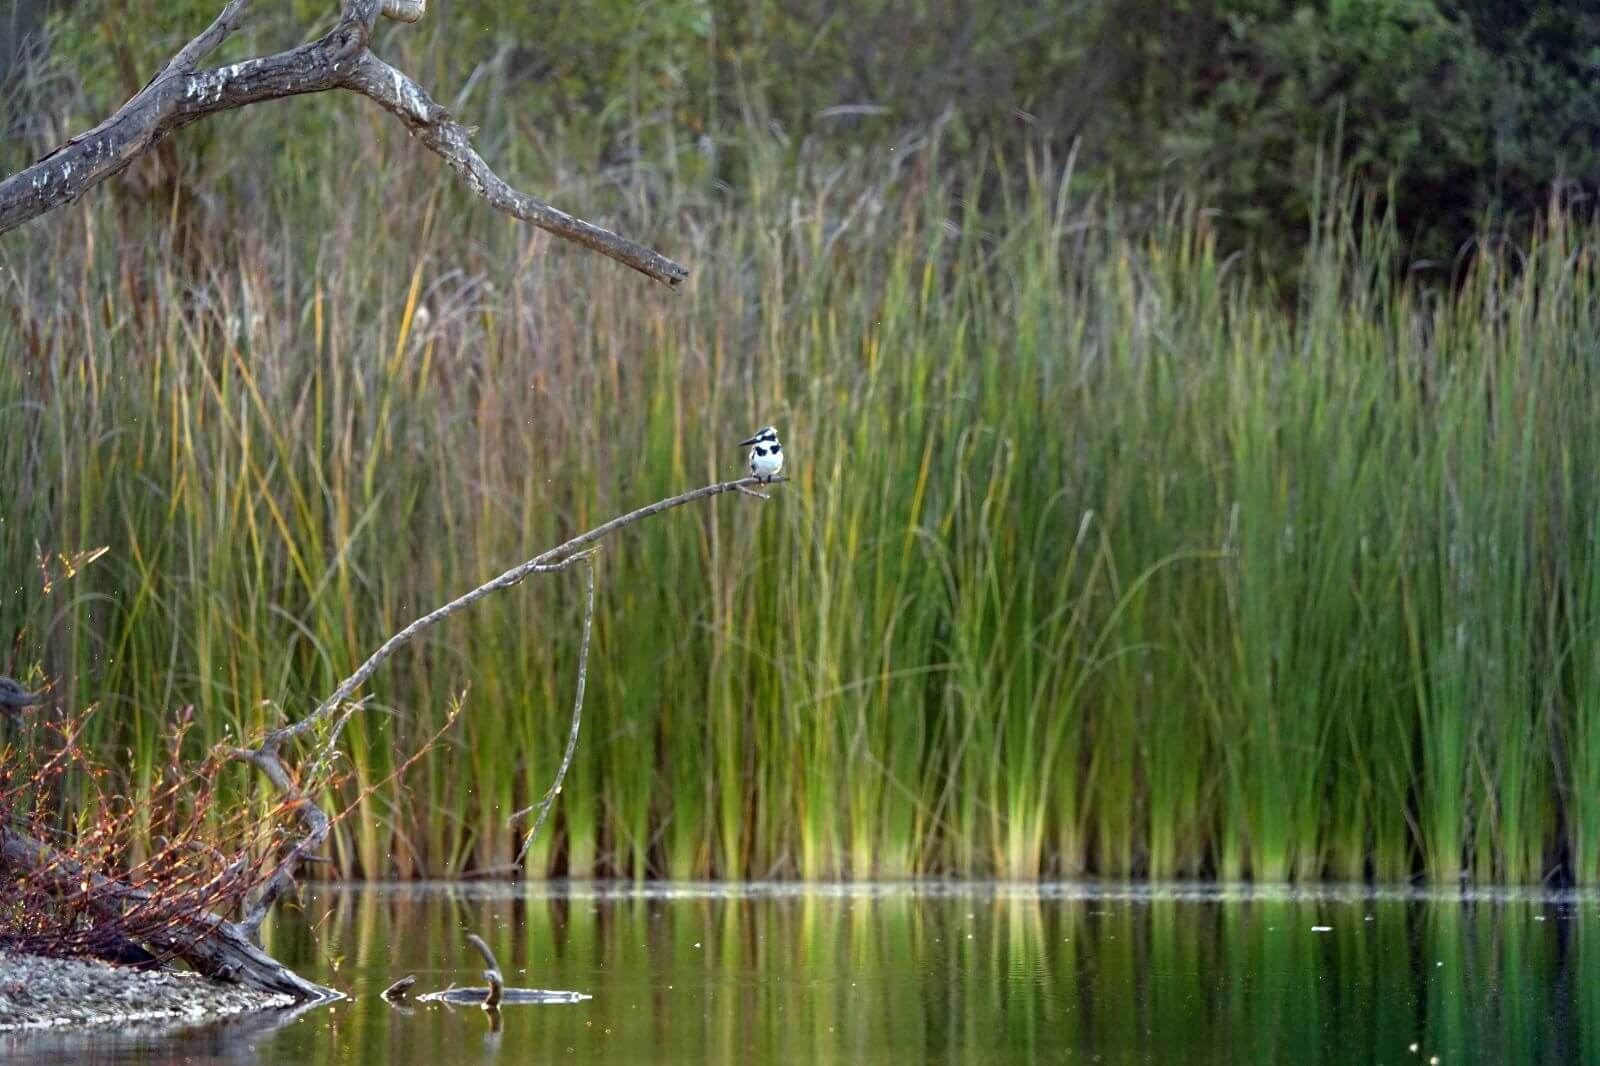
<point>1469,112</point>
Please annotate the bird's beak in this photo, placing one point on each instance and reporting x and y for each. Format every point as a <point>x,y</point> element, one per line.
<point>752,440</point>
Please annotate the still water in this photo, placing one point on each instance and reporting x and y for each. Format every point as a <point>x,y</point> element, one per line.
<point>933,974</point>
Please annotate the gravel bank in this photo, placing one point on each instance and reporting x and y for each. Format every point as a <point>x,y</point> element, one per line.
<point>38,993</point>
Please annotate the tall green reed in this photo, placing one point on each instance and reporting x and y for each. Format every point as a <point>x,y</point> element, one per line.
<point>1099,554</point>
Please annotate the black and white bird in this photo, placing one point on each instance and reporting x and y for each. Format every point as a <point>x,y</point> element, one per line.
<point>766,455</point>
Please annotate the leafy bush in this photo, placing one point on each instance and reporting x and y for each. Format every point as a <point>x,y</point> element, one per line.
<point>1464,108</point>
<point>1461,110</point>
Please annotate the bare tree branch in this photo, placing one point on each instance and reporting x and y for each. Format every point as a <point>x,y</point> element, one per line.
<point>432,124</point>
<point>316,822</point>
<point>405,10</point>
<point>181,94</point>
<point>169,103</point>
<point>557,558</point>
<point>185,62</point>
<point>397,991</point>
<point>544,805</point>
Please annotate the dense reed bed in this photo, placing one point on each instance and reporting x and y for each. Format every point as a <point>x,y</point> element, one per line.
<point>1100,554</point>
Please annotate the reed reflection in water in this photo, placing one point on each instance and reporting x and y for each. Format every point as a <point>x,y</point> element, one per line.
<point>980,974</point>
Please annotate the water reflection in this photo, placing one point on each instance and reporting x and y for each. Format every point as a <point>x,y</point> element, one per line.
<point>964,974</point>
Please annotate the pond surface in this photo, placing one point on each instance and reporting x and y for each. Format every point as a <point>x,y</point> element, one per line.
<point>938,974</point>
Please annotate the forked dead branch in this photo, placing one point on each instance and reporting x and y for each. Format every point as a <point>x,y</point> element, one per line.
<point>224,948</point>
<point>182,94</point>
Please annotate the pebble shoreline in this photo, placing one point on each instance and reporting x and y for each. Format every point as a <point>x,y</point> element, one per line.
<point>42,993</point>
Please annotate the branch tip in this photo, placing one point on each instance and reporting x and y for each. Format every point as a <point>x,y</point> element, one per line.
<point>404,10</point>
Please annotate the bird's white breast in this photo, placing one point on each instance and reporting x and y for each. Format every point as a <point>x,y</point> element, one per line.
<point>765,465</point>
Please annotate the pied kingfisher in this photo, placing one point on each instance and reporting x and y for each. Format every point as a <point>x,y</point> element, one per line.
<point>766,455</point>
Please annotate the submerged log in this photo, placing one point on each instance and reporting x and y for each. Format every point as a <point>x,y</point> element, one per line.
<point>477,997</point>
<point>497,994</point>
<point>398,990</point>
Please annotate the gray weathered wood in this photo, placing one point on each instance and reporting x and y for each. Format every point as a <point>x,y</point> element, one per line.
<point>433,126</point>
<point>176,98</point>
<point>497,994</point>
<point>544,805</point>
<point>405,10</point>
<point>181,94</point>
<point>398,991</point>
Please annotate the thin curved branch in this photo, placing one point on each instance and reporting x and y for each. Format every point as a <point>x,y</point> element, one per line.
<point>557,558</point>
<point>317,823</point>
<point>13,697</point>
<point>315,820</point>
<point>544,805</point>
